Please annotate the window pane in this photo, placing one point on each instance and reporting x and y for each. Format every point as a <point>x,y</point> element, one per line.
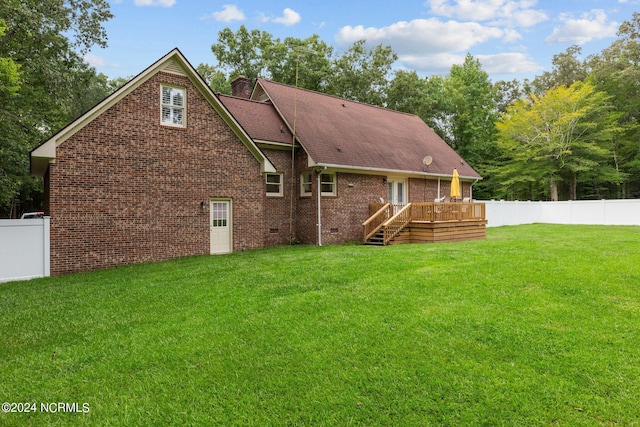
<point>219,214</point>
<point>177,116</point>
<point>273,178</point>
<point>400,193</point>
<point>177,98</point>
<point>166,115</point>
<point>166,95</point>
<point>327,183</point>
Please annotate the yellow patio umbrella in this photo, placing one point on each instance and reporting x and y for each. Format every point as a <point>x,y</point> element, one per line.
<point>455,185</point>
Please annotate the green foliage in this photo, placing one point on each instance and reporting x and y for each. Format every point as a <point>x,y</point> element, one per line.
<point>361,74</point>
<point>567,69</point>
<point>256,54</point>
<point>215,78</point>
<point>616,70</point>
<point>43,41</point>
<point>472,111</point>
<point>9,71</point>
<point>561,137</point>
<point>306,63</point>
<point>506,331</point>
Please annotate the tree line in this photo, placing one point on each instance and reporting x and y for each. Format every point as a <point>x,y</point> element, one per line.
<point>571,133</point>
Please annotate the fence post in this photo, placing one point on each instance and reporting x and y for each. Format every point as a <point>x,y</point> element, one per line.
<point>46,246</point>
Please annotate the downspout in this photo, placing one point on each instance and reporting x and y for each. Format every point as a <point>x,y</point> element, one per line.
<point>438,187</point>
<point>319,224</point>
<point>471,190</point>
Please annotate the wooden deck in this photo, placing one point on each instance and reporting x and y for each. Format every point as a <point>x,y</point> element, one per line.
<point>424,223</point>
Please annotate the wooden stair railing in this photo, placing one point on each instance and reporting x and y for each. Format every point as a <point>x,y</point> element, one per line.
<point>376,221</point>
<point>394,225</point>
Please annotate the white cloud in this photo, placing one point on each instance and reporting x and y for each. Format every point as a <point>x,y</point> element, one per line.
<point>508,63</point>
<point>507,13</point>
<point>163,3</point>
<point>433,46</point>
<point>440,63</point>
<point>511,35</point>
<point>422,36</point>
<point>289,17</point>
<point>97,61</point>
<point>589,26</point>
<point>228,13</point>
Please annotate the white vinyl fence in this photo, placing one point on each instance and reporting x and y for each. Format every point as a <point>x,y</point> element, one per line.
<point>24,249</point>
<point>600,212</point>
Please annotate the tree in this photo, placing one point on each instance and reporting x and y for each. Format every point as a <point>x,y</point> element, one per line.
<point>256,54</point>
<point>45,41</point>
<point>425,97</point>
<point>469,118</point>
<point>616,70</point>
<point>9,71</point>
<point>506,92</point>
<point>561,137</point>
<point>303,62</point>
<point>244,52</point>
<point>359,74</point>
<point>362,74</point>
<point>567,69</point>
<point>215,78</point>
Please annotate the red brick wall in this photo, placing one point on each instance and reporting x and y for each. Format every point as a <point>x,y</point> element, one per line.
<point>343,215</point>
<point>421,190</point>
<point>125,189</point>
<point>277,229</point>
<point>306,230</point>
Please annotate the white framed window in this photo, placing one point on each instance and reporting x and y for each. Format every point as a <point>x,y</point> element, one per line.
<point>274,184</point>
<point>173,106</point>
<point>328,184</point>
<point>305,183</point>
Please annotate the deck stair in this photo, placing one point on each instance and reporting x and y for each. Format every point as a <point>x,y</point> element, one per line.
<point>377,239</point>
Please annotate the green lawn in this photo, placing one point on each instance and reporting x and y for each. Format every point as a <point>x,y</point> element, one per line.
<point>536,325</point>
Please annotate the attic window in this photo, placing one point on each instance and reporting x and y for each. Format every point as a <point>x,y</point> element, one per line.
<point>173,106</point>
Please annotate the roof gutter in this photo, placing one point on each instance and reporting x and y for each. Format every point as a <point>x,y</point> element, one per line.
<point>389,171</point>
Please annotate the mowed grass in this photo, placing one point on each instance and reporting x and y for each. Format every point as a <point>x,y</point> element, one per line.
<point>536,325</point>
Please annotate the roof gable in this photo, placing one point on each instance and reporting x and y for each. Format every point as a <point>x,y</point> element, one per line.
<point>173,62</point>
<point>341,133</point>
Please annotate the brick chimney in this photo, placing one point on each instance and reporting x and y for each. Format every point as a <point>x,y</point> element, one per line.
<point>241,87</point>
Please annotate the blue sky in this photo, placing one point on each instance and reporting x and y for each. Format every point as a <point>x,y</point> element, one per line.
<point>511,38</point>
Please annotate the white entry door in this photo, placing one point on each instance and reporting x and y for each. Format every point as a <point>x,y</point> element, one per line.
<point>397,191</point>
<point>220,224</point>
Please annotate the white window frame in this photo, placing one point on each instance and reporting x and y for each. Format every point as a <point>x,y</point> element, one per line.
<point>172,108</point>
<point>280,184</point>
<point>306,181</point>
<point>332,182</point>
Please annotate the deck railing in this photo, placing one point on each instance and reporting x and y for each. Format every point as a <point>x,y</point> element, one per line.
<point>376,219</point>
<point>396,223</point>
<point>464,211</point>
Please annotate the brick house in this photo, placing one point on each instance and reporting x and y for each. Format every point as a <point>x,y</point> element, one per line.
<point>165,168</point>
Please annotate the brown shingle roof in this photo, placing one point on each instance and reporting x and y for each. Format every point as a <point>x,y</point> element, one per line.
<point>259,119</point>
<point>338,132</point>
